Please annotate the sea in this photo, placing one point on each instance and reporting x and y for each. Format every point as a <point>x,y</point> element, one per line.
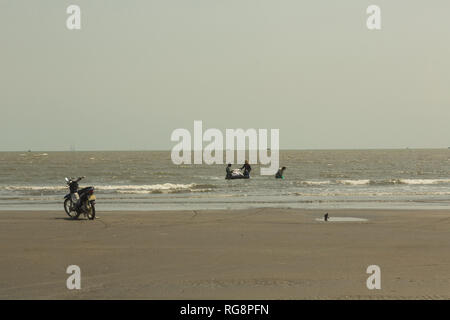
<point>148,180</point>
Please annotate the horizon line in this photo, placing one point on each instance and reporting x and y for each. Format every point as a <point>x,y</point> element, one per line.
<point>224,150</point>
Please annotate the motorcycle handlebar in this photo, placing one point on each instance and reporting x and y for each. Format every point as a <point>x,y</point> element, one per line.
<point>76,180</point>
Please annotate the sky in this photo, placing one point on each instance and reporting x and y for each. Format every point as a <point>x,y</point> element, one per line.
<point>137,70</point>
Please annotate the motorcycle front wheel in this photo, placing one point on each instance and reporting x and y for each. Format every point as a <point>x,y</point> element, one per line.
<point>91,211</point>
<point>68,209</point>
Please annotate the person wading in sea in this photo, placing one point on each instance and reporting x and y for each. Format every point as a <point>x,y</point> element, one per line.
<point>247,168</point>
<point>228,170</point>
<point>279,174</point>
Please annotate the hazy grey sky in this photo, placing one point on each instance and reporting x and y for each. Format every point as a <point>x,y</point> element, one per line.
<point>137,70</point>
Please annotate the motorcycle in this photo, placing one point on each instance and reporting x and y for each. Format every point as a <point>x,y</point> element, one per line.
<point>79,202</point>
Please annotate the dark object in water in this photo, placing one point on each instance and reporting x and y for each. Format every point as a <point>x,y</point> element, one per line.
<point>238,174</point>
<point>325,217</point>
<point>279,174</point>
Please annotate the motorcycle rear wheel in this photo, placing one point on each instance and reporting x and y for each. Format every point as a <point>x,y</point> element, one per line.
<point>67,208</point>
<point>91,211</point>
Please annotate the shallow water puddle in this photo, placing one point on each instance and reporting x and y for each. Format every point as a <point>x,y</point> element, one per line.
<point>342,219</point>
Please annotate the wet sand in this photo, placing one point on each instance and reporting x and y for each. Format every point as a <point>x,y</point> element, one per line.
<point>241,254</point>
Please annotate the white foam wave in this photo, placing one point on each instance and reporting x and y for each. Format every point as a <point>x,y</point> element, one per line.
<point>149,187</point>
<point>315,183</point>
<point>423,181</point>
<point>360,182</point>
<point>33,188</point>
<point>354,182</point>
<point>121,188</point>
<point>370,194</point>
<point>342,219</point>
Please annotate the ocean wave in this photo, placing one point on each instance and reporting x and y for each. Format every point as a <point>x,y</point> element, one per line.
<point>424,181</point>
<point>33,188</point>
<point>354,182</point>
<point>146,187</point>
<point>126,189</point>
<point>370,194</point>
<point>359,182</point>
<point>410,181</point>
<point>315,183</point>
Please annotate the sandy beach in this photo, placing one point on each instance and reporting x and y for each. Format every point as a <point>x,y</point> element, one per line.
<point>239,254</point>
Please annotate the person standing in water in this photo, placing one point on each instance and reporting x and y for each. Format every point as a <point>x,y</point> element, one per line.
<point>280,172</point>
<point>247,168</point>
<point>228,169</point>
